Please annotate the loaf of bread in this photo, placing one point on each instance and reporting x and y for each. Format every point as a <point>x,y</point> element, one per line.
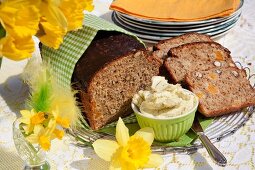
<point>162,47</point>
<point>221,90</point>
<point>113,68</point>
<point>196,56</point>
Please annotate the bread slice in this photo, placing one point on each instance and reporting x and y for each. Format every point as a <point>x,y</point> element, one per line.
<point>166,45</point>
<point>221,90</point>
<point>111,88</point>
<point>196,56</point>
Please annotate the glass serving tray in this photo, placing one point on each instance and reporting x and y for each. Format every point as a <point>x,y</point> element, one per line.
<point>220,128</point>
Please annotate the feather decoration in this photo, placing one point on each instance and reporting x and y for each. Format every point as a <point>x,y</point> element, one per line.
<point>38,77</point>
<point>46,95</point>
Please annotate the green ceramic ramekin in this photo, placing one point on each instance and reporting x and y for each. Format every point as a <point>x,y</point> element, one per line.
<point>167,129</point>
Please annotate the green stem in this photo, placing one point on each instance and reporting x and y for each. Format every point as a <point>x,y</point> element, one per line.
<point>83,141</point>
<point>2,34</point>
<point>34,155</point>
<point>0,61</point>
<point>33,152</point>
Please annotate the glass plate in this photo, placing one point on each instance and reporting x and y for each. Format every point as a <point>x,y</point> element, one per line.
<point>157,35</point>
<point>180,29</point>
<point>145,35</point>
<point>220,128</point>
<point>178,25</point>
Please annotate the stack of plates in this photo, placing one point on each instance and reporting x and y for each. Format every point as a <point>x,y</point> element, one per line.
<point>154,31</point>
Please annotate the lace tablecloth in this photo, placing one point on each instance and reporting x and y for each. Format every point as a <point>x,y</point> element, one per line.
<point>238,148</point>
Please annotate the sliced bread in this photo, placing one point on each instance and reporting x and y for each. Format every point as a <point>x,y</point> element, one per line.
<point>165,45</point>
<point>221,90</point>
<point>196,56</point>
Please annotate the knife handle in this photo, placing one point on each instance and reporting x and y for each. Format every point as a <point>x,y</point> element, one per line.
<point>215,154</point>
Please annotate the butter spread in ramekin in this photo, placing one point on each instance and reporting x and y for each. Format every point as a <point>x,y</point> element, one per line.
<point>164,100</point>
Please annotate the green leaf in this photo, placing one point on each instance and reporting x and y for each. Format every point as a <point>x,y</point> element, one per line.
<point>2,31</point>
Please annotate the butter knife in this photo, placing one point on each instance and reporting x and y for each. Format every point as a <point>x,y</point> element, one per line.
<point>214,153</point>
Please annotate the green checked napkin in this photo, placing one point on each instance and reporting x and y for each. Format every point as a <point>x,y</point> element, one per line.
<point>64,59</point>
<point>74,45</point>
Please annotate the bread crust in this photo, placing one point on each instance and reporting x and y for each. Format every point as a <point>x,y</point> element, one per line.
<point>157,46</point>
<point>170,52</point>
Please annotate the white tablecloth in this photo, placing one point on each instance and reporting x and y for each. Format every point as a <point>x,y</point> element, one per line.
<point>238,148</point>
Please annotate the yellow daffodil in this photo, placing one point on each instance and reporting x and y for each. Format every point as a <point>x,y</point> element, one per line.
<point>31,119</point>
<point>58,17</point>
<point>51,11</point>
<point>62,121</point>
<point>58,133</point>
<point>43,135</point>
<point>26,118</point>
<point>51,35</point>
<point>26,22</point>
<point>16,49</point>
<point>89,5</point>
<point>73,11</point>
<point>20,22</point>
<point>48,19</point>
<point>128,153</point>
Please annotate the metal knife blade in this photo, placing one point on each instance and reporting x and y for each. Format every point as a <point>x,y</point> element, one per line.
<point>196,127</point>
<point>214,153</point>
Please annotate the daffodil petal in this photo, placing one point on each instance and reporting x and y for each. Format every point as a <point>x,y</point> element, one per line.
<point>26,114</point>
<point>52,34</point>
<point>26,22</point>
<point>154,161</point>
<point>44,142</point>
<point>114,167</point>
<point>116,160</point>
<point>122,133</point>
<point>32,138</point>
<point>51,127</point>
<point>38,129</point>
<point>147,134</point>
<point>105,148</point>
<point>53,14</point>
<point>17,49</point>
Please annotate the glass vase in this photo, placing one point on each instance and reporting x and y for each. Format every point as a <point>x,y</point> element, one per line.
<point>32,154</point>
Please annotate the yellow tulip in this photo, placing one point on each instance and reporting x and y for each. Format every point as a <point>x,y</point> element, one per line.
<point>128,153</point>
